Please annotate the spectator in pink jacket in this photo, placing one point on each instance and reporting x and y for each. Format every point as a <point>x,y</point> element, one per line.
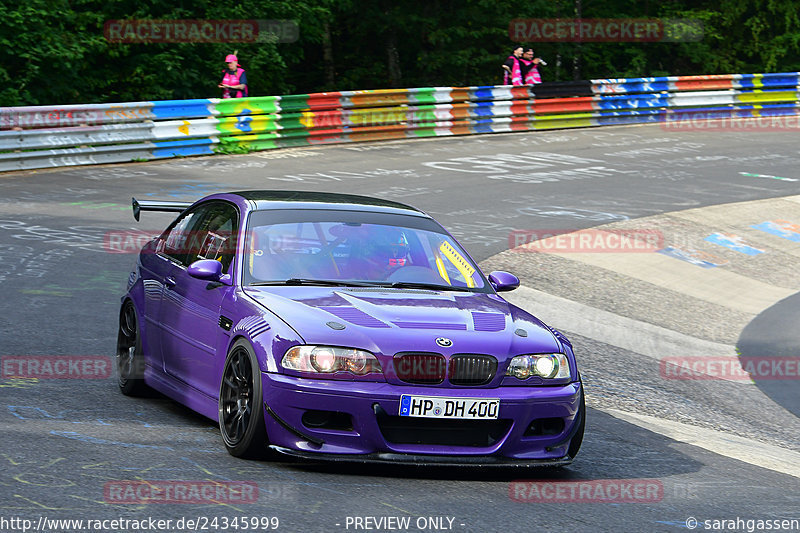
<point>513,68</point>
<point>234,79</point>
<point>529,66</point>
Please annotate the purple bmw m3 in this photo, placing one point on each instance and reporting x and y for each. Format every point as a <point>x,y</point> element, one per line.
<point>343,327</point>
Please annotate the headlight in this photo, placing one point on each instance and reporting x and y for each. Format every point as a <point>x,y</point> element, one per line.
<point>330,359</point>
<point>545,365</point>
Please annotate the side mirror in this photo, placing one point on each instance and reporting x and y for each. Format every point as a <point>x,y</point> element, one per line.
<point>503,281</point>
<point>206,269</point>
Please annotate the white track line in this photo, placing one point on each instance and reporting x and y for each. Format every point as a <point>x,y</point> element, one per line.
<point>655,342</point>
<point>628,333</point>
<point>715,285</point>
<point>742,449</point>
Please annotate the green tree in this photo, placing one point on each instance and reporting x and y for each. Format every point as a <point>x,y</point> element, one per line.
<point>54,51</point>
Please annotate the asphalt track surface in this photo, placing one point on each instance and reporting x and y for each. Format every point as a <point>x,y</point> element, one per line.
<point>64,440</point>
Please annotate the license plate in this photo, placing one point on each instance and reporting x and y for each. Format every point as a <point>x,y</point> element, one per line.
<point>440,407</point>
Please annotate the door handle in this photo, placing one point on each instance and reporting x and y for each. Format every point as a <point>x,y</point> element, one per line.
<point>169,281</point>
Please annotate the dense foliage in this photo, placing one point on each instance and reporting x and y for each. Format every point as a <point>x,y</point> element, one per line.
<point>55,52</point>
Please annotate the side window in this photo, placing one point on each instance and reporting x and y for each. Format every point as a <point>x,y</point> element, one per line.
<point>207,232</point>
<point>179,242</point>
<point>217,234</point>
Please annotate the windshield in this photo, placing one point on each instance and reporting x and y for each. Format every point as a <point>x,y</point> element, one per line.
<point>355,247</point>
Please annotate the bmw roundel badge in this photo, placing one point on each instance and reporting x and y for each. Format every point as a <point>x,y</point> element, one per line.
<point>443,342</point>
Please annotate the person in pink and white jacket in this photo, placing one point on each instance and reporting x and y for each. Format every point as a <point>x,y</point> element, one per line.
<point>529,66</point>
<point>234,79</point>
<point>513,68</point>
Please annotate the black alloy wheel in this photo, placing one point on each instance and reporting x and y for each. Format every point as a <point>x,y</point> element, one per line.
<point>130,361</point>
<point>241,416</point>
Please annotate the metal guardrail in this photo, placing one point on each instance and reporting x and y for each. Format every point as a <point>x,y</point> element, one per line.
<point>55,136</point>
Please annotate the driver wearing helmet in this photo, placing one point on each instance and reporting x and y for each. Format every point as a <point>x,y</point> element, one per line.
<point>384,250</point>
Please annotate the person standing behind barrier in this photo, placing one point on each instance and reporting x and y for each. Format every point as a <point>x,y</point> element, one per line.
<point>513,68</point>
<point>529,66</point>
<point>234,79</point>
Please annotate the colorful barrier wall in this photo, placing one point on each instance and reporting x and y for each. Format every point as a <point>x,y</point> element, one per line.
<point>55,136</point>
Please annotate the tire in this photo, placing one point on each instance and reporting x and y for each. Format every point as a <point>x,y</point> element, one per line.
<point>241,417</point>
<point>130,360</point>
<point>577,440</point>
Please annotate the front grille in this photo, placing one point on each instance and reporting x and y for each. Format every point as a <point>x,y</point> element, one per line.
<point>420,368</point>
<point>472,369</point>
<point>437,432</point>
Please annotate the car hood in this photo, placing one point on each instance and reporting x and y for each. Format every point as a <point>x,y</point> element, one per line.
<point>388,321</point>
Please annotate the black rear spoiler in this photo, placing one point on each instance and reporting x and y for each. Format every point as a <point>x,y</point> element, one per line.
<point>157,205</point>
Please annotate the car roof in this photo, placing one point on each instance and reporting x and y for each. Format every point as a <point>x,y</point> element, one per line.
<point>275,199</point>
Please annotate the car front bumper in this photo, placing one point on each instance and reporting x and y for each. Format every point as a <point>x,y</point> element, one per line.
<point>376,433</point>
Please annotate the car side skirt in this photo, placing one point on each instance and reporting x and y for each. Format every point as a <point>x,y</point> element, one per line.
<point>182,393</point>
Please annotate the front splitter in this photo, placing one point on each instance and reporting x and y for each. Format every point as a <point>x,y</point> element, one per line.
<point>425,460</point>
